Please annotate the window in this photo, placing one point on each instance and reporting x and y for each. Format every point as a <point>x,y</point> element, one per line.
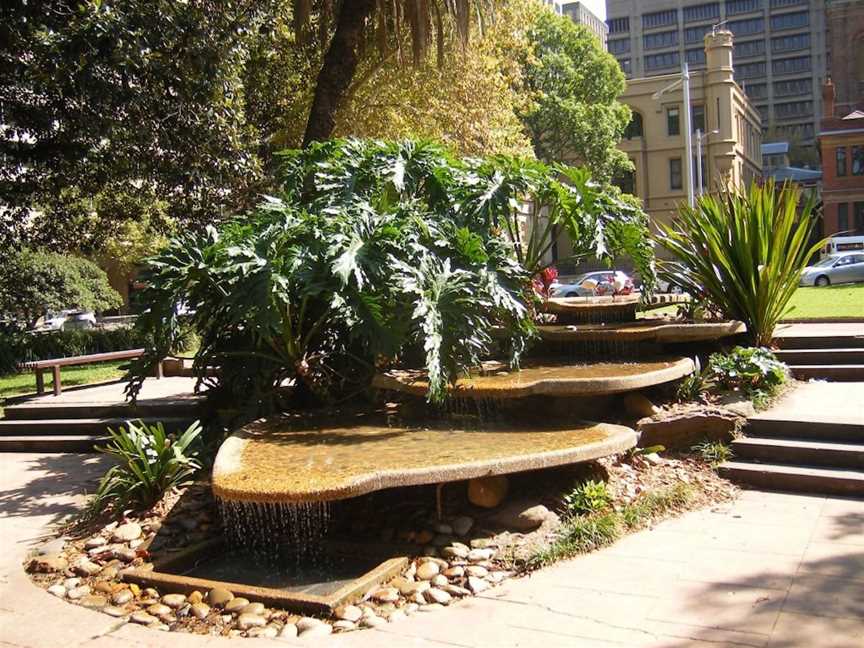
<point>634,128</point>
<point>673,121</point>
<point>786,3</point>
<point>660,61</point>
<point>857,161</point>
<point>619,46</point>
<point>734,7</point>
<point>696,34</point>
<point>793,109</point>
<point>625,65</point>
<point>793,87</point>
<point>746,27</point>
<point>840,157</point>
<point>626,182</point>
<point>702,12</point>
<point>859,217</point>
<point>697,117</point>
<point>750,70</point>
<point>695,56</point>
<point>790,43</point>
<point>791,65</point>
<point>756,90</point>
<point>660,39</point>
<point>790,21</point>
<point>660,19</point>
<point>750,48</point>
<point>675,173</point>
<point>842,217</point>
<point>619,25</point>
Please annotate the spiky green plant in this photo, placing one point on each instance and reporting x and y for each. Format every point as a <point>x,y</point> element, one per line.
<point>743,252</point>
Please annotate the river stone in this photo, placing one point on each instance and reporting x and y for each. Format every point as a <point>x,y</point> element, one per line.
<point>497,576</point>
<point>307,623</point>
<point>478,555</point>
<point>219,597</point>
<point>418,598</point>
<point>396,615</point>
<point>481,543</point>
<point>438,580</point>
<point>159,610</point>
<point>124,553</point>
<point>455,590</point>
<point>427,570</point>
<point>462,525</point>
<point>174,600</point>
<point>344,625</point>
<point>443,528</point>
<point>289,631</point>
<point>436,595</point>
<point>477,585</point>
<point>350,613</point>
<point>86,567</point>
<point>372,621</point>
<point>386,595</point>
<point>246,621</point>
<point>143,618</point>
<point>114,611</point>
<point>236,604</point>
<point>195,597</point>
<point>57,590</point>
<point>69,583</point>
<point>254,608</point>
<point>320,630</point>
<point>104,587</point>
<point>126,532</point>
<point>487,492</point>
<point>431,607</point>
<point>454,572</point>
<point>93,601</point>
<point>95,541</point>
<point>200,610</point>
<point>412,588</point>
<point>47,564</point>
<point>455,551</point>
<point>122,597</point>
<point>477,571</point>
<point>78,592</point>
<point>520,517</point>
<point>268,632</point>
<point>639,406</point>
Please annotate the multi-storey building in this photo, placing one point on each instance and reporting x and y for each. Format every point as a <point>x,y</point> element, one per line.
<point>780,50</point>
<point>841,141</point>
<point>845,41</point>
<point>654,142</point>
<point>582,15</point>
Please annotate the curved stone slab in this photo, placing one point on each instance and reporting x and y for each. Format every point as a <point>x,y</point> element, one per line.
<point>267,461</point>
<point>567,305</point>
<point>646,331</point>
<point>591,379</point>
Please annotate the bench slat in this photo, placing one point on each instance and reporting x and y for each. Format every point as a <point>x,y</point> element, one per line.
<point>83,359</point>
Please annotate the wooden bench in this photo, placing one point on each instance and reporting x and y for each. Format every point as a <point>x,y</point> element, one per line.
<point>41,365</point>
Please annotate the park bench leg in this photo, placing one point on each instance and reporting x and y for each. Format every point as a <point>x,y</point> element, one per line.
<point>40,382</point>
<point>55,370</point>
<point>160,370</point>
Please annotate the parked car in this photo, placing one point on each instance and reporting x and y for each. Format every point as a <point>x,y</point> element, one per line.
<point>846,267</point>
<point>601,282</point>
<point>66,320</point>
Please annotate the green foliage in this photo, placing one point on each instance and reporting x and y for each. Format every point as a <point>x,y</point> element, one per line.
<point>588,497</point>
<point>35,281</point>
<point>713,452</point>
<point>576,85</point>
<point>694,385</point>
<point>149,464</point>
<point>372,252</point>
<point>656,504</point>
<point>749,369</point>
<point>743,253</point>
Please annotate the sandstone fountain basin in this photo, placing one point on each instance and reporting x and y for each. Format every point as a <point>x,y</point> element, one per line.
<point>272,461</point>
<point>607,308</point>
<point>656,331</point>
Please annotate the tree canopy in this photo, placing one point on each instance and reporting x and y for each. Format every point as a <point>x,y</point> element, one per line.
<point>575,84</point>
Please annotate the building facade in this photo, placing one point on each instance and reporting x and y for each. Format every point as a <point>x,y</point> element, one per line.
<point>580,14</point>
<point>731,156</point>
<point>780,50</point>
<point>841,142</point>
<point>845,38</point>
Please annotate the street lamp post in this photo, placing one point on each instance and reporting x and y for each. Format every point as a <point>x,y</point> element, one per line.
<point>699,137</point>
<point>684,82</point>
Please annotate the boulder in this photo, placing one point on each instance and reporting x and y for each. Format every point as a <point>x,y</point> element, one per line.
<point>488,492</point>
<point>521,516</point>
<point>683,430</point>
<point>639,406</point>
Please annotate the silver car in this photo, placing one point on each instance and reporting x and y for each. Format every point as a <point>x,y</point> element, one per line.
<point>846,267</point>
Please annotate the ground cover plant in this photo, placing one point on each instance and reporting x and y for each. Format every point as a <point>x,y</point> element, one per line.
<point>374,253</point>
<point>754,371</point>
<point>743,253</point>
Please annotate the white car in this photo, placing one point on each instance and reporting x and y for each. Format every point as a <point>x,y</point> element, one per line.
<point>68,319</point>
<point>600,282</point>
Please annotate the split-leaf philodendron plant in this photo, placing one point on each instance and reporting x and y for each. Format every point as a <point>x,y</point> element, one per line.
<point>370,253</point>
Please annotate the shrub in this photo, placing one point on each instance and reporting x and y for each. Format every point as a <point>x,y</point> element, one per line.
<point>375,253</point>
<point>713,452</point>
<point>589,497</point>
<point>694,385</point>
<point>743,253</point>
<point>149,464</point>
<point>753,370</point>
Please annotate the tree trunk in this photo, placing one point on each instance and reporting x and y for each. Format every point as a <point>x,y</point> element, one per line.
<point>338,69</point>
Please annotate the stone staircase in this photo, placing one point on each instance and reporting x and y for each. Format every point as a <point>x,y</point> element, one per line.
<point>836,357</point>
<point>42,425</point>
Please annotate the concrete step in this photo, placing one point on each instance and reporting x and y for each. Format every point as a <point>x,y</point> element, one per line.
<point>800,452</point>
<point>833,372</point>
<point>833,481</point>
<point>78,427</point>
<point>809,430</point>
<point>821,356</point>
<point>821,341</point>
<point>52,443</point>
<point>28,411</point>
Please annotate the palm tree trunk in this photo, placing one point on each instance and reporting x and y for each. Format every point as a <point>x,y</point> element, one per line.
<point>340,64</point>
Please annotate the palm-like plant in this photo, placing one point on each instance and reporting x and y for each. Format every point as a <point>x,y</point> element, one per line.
<point>743,252</point>
<point>373,252</point>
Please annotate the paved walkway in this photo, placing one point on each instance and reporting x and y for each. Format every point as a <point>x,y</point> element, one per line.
<point>768,570</point>
<point>170,388</point>
<point>819,329</point>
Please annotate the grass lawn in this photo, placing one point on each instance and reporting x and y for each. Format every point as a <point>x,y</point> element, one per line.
<point>845,300</point>
<point>25,383</point>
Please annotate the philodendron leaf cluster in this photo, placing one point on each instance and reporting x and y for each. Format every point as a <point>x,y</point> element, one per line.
<point>370,254</point>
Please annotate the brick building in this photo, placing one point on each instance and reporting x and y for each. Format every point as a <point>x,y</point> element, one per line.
<point>841,141</point>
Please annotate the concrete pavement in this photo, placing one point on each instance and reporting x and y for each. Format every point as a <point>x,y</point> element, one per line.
<point>767,570</point>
